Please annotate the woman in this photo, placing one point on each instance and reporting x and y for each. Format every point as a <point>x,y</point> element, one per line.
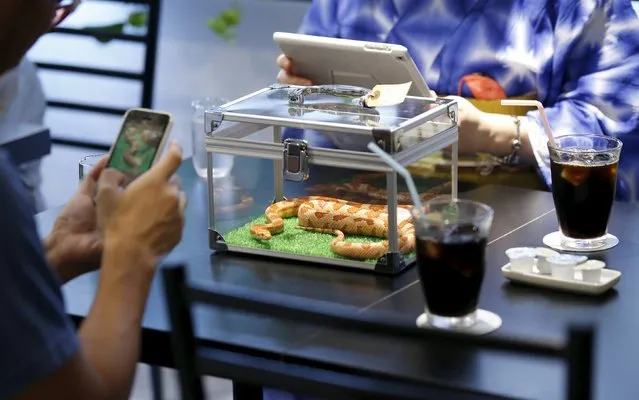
<point>580,59</point>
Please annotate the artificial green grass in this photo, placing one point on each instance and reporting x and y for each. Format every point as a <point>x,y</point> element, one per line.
<point>294,240</point>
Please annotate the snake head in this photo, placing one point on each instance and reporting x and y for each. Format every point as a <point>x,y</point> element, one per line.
<point>260,233</point>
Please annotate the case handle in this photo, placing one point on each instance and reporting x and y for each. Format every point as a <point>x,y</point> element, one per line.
<point>297,96</point>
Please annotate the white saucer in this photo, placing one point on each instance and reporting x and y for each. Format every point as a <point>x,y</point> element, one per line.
<point>609,278</point>
<point>487,322</point>
<point>554,240</point>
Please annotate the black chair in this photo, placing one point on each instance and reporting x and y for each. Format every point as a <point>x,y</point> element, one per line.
<point>252,370</point>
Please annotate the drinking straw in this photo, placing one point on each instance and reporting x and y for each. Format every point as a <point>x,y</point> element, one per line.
<point>404,173</point>
<point>542,112</point>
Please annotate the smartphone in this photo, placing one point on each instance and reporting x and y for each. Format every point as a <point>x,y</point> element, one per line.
<point>140,141</point>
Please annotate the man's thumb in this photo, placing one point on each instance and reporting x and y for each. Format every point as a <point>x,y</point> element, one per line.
<point>168,164</point>
<point>89,184</point>
<point>109,186</point>
<point>110,178</point>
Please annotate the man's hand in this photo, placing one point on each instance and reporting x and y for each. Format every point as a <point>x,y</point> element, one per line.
<point>75,243</point>
<point>147,218</point>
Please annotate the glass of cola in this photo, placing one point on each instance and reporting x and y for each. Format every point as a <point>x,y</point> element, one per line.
<point>451,246</point>
<point>584,179</point>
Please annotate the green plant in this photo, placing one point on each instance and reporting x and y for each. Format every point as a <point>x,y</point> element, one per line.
<point>225,24</point>
<point>137,19</point>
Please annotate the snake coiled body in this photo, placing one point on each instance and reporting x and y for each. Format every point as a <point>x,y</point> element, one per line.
<point>340,217</point>
<point>359,190</point>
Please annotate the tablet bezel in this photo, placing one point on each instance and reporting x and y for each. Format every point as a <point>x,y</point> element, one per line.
<point>317,57</point>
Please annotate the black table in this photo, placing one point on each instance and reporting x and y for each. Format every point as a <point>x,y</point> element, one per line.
<point>522,218</point>
<point>532,313</point>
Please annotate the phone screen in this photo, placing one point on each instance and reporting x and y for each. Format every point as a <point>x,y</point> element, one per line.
<point>138,142</point>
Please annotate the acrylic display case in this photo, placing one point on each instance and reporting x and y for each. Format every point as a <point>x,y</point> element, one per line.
<point>305,187</point>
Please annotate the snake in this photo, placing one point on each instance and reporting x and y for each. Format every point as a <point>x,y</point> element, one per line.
<point>340,217</point>
<point>229,201</point>
<point>360,189</point>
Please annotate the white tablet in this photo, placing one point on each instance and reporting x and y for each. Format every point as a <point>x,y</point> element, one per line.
<point>326,61</point>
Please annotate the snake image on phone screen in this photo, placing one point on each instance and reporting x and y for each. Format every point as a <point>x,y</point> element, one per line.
<point>138,143</point>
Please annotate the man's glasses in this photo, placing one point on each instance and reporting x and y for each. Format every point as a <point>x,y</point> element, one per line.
<point>64,3</point>
<point>63,9</point>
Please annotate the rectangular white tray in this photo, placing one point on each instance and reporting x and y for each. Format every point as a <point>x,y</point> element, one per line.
<point>609,278</point>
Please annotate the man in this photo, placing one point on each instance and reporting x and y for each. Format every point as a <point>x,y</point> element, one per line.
<point>22,101</point>
<point>123,231</point>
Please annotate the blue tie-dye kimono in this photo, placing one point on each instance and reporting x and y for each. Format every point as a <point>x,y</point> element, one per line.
<point>581,57</point>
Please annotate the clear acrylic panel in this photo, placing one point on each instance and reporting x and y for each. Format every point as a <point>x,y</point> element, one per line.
<point>326,108</point>
<point>353,201</point>
<point>341,123</point>
<point>351,210</point>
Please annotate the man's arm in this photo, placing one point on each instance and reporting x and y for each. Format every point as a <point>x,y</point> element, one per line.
<point>110,335</point>
<point>66,271</point>
<point>41,354</point>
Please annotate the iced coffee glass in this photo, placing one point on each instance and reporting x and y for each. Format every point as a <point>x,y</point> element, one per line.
<point>584,179</point>
<point>451,246</point>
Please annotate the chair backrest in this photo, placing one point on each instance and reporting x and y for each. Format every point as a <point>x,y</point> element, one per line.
<point>195,358</point>
<point>146,76</point>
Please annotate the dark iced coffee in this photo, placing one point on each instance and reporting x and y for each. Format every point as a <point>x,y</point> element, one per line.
<point>583,197</point>
<point>451,245</point>
<point>584,178</point>
<point>452,271</point>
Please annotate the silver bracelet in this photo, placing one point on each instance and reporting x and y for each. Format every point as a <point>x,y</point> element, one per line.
<point>513,157</point>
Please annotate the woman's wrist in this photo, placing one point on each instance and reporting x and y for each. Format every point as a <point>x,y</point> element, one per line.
<point>501,131</point>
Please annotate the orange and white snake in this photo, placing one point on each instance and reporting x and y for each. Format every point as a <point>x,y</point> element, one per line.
<point>361,189</point>
<point>330,215</point>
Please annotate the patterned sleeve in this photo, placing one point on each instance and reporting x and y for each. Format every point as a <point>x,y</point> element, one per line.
<point>595,73</point>
<point>320,19</point>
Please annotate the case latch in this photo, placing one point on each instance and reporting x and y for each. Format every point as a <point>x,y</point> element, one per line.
<point>295,160</point>
<point>213,119</point>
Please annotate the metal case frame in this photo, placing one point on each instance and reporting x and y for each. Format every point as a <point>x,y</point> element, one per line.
<point>230,140</point>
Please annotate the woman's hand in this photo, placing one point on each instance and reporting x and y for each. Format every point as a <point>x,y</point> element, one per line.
<point>287,74</point>
<point>482,132</point>
<point>474,135</point>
